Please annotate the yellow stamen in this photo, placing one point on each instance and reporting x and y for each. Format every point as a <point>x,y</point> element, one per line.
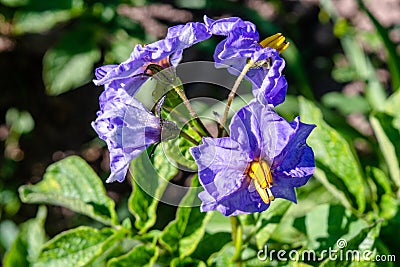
<point>263,194</point>
<point>276,41</point>
<point>260,173</point>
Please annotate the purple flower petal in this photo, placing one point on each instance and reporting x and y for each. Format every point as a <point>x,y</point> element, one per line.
<point>178,38</point>
<point>257,134</point>
<point>260,131</point>
<point>240,45</point>
<point>128,129</point>
<point>221,166</point>
<point>240,202</point>
<point>225,26</point>
<point>295,164</point>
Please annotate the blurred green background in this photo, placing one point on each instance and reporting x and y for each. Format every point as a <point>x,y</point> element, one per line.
<point>344,56</point>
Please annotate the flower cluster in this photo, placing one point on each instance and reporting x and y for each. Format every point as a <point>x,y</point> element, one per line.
<point>263,158</point>
<point>123,122</point>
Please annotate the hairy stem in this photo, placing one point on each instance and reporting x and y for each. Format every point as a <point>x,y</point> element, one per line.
<point>203,129</point>
<point>188,137</point>
<point>232,95</point>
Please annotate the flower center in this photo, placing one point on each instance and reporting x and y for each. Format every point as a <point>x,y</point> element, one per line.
<point>260,172</point>
<point>276,41</point>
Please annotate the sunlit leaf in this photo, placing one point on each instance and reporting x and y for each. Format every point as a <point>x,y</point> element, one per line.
<point>76,247</point>
<point>70,63</point>
<point>391,107</point>
<point>37,22</point>
<point>8,233</point>
<point>393,56</point>
<point>139,256</point>
<point>27,246</point>
<point>345,104</point>
<point>187,262</point>
<point>14,3</point>
<point>388,150</point>
<point>150,178</point>
<point>211,243</point>
<point>270,221</point>
<point>332,152</point>
<point>357,249</point>
<point>71,183</point>
<point>374,91</point>
<point>182,235</point>
<point>328,223</point>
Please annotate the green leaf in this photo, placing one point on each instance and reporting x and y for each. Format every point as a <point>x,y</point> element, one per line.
<point>71,183</point>
<point>20,121</point>
<point>358,60</point>
<point>26,247</point>
<point>391,108</point>
<point>374,91</point>
<point>8,233</point>
<point>271,220</point>
<point>218,223</point>
<point>389,206</point>
<point>210,243</point>
<point>326,224</point>
<point>121,47</point>
<point>182,235</point>
<point>359,248</point>
<point>345,104</point>
<point>139,256</point>
<point>37,22</point>
<point>391,48</point>
<point>288,109</point>
<point>70,63</point>
<point>39,16</point>
<point>167,85</point>
<point>77,247</point>
<point>388,150</point>
<point>39,5</point>
<point>297,69</point>
<point>189,262</point>
<point>332,152</point>
<point>14,3</point>
<point>344,74</point>
<point>381,179</point>
<point>178,150</point>
<point>223,258</point>
<point>339,195</point>
<point>150,179</point>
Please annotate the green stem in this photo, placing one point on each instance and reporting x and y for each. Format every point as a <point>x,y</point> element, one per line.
<point>237,237</point>
<point>181,117</point>
<point>188,137</point>
<point>193,113</point>
<point>232,95</point>
<point>254,231</point>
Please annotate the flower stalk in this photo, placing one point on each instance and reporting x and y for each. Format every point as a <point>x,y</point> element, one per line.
<point>232,96</point>
<point>237,237</point>
<point>198,123</point>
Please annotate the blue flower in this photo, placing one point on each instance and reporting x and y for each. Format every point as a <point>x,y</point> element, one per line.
<point>123,122</point>
<point>241,45</point>
<point>165,52</point>
<point>264,158</point>
<point>128,128</point>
